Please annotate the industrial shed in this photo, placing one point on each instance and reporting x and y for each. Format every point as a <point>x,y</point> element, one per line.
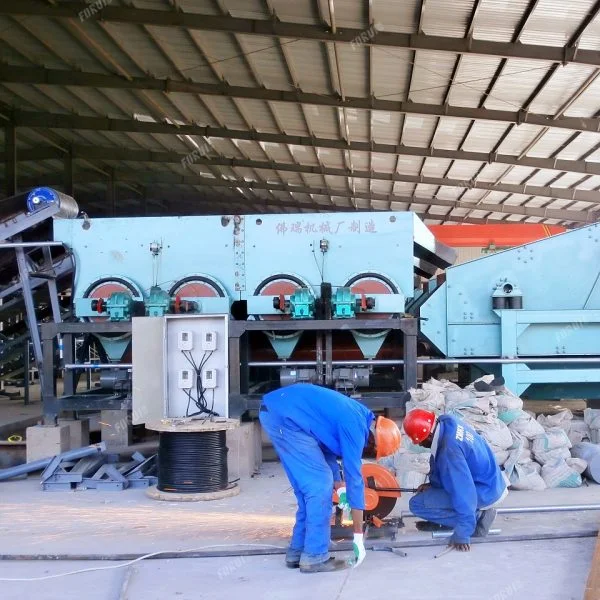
<point>212,206</point>
<point>459,111</point>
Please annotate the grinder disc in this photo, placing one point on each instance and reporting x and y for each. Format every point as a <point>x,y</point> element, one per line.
<point>381,478</point>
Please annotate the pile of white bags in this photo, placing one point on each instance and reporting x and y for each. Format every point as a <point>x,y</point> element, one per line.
<point>535,454</point>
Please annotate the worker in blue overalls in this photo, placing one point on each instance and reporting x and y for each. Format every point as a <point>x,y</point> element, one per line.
<point>465,485</point>
<point>311,427</point>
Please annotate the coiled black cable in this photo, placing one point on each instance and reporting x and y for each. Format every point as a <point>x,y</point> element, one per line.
<point>192,462</point>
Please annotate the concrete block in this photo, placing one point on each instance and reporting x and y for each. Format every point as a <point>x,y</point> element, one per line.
<point>115,428</point>
<point>44,442</point>
<point>79,432</point>
<point>245,450</point>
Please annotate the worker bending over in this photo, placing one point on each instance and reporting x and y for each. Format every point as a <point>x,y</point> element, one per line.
<point>311,427</point>
<point>465,481</point>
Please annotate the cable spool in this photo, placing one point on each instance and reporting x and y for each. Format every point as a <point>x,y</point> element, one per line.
<point>192,463</point>
<point>192,460</point>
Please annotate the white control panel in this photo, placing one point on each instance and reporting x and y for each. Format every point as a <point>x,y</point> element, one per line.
<point>180,367</point>
<point>209,341</point>
<point>209,378</point>
<point>185,340</point>
<point>185,379</point>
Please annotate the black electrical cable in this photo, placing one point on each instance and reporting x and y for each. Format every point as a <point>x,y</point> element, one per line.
<point>192,462</point>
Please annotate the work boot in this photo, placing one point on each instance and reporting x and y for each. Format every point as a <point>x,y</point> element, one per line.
<point>292,564</point>
<point>431,526</point>
<point>332,564</point>
<point>484,522</point>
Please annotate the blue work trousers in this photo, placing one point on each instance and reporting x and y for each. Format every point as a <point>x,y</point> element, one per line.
<point>312,482</point>
<point>435,505</point>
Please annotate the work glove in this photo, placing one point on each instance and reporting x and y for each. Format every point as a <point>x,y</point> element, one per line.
<point>358,546</point>
<point>343,501</point>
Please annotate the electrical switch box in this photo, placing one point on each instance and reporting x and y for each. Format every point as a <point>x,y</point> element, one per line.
<point>180,366</point>
<point>185,340</point>
<point>209,379</point>
<point>185,379</point>
<point>209,341</point>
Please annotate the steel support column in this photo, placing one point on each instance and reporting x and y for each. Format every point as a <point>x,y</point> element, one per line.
<point>68,174</point>
<point>10,160</point>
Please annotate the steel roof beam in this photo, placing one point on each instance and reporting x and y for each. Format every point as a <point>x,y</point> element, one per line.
<point>150,177</point>
<point>321,33</point>
<point>133,154</point>
<point>41,76</point>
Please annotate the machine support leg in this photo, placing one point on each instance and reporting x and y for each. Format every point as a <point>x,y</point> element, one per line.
<point>319,356</point>
<point>244,369</point>
<point>234,366</point>
<point>52,289</point>
<point>48,384</point>
<point>26,367</point>
<point>69,375</point>
<point>410,355</point>
<point>328,358</point>
<point>29,307</point>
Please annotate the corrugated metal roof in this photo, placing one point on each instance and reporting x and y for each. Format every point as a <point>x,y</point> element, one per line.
<point>264,72</point>
<point>447,17</point>
<point>553,22</point>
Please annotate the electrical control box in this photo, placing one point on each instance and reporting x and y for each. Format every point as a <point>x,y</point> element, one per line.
<point>180,367</point>
<point>185,340</point>
<point>209,341</point>
<point>209,378</point>
<point>186,379</point>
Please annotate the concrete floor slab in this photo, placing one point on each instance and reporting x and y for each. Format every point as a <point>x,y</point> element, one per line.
<point>555,570</point>
<point>36,522</point>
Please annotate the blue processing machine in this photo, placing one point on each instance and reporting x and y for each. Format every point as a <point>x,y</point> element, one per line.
<point>536,307</point>
<point>335,299</point>
<point>322,297</point>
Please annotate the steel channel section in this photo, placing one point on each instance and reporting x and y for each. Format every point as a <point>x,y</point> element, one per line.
<point>533,509</point>
<point>52,405</point>
<point>23,221</point>
<point>241,401</point>
<point>29,308</point>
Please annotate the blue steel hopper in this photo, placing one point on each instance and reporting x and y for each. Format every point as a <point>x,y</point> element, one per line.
<point>537,301</point>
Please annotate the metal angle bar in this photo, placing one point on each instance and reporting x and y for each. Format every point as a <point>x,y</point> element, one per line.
<point>174,179</point>
<point>4,245</point>
<point>533,509</point>
<point>41,76</point>
<point>430,361</point>
<point>276,28</point>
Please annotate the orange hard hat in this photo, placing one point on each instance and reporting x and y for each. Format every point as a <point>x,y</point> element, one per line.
<point>387,437</point>
<point>418,424</point>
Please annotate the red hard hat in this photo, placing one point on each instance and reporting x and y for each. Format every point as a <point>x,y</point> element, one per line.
<point>418,424</point>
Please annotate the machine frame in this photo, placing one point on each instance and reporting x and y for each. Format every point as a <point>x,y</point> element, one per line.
<point>240,400</point>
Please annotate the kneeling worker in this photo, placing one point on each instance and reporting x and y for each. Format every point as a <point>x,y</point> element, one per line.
<point>465,481</point>
<point>310,427</point>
